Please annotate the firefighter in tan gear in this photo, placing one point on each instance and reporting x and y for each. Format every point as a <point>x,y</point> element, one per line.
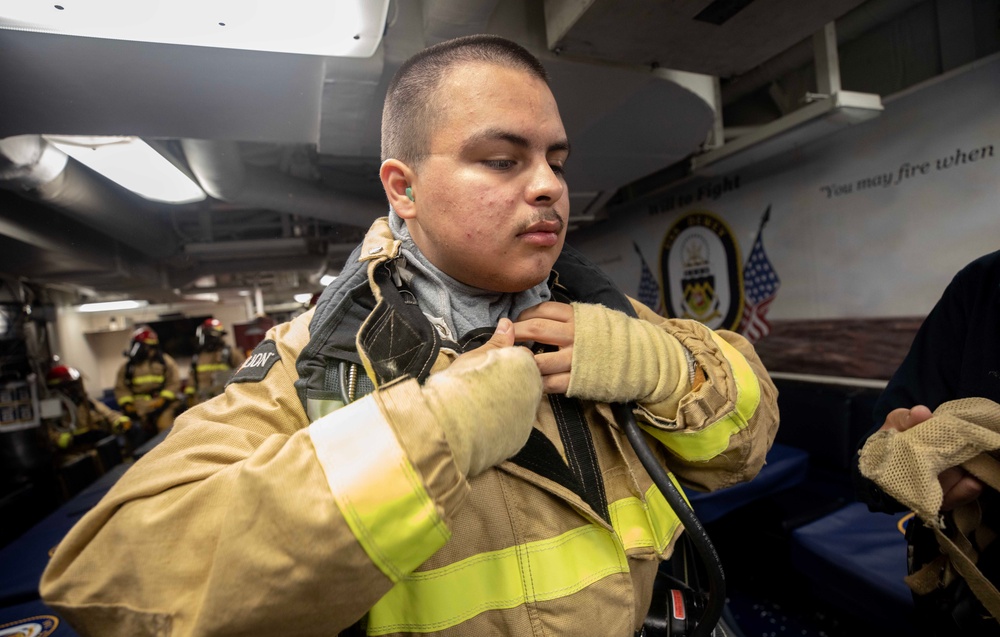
<point>148,384</point>
<point>390,462</point>
<point>213,364</point>
<point>84,421</point>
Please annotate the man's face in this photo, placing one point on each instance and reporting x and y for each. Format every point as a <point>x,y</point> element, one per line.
<point>491,202</point>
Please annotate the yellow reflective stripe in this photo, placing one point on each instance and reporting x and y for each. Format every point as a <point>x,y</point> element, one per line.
<point>710,441</point>
<point>537,571</point>
<point>377,490</point>
<point>649,524</point>
<point>125,400</point>
<point>169,395</point>
<point>147,378</point>
<point>212,367</point>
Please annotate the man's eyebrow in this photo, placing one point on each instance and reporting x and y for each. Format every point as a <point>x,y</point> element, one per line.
<point>495,134</point>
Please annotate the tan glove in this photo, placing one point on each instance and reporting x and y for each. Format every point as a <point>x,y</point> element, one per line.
<point>486,401</point>
<point>617,358</point>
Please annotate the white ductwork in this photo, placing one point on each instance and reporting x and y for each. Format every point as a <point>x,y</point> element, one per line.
<point>35,169</point>
<point>220,170</point>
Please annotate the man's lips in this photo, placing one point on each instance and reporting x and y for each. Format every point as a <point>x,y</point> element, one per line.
<point>543,233</point>
<point>544,226</point>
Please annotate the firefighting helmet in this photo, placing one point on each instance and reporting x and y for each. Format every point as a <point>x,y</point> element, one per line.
<point>144,340</point>
<point>210,333</point>
<point>61,376</point>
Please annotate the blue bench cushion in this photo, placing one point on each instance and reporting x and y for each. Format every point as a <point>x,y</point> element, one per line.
<point>857,559</point>
<point>785,467</point>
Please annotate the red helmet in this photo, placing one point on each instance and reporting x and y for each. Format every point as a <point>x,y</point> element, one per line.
<point>62,375</point>
<point>145,335</point>
<point>144,342</point>
<point>210,333</point>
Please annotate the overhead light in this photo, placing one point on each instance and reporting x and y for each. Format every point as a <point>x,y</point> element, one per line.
<point>111,306</point>
<point>305,297</point>
<point>814,121</point>
<point>133,164</point>
<point>211,297</point>
<point>327,279</point>
<point>349,28</point>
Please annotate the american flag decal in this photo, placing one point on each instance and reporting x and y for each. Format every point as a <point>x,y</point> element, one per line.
<point>649,289</point>
<point>760,285</point>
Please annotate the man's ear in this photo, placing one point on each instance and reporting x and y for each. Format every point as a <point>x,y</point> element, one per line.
<point>397,178</point>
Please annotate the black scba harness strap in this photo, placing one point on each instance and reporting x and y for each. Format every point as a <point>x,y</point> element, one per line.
<point>399,341</point>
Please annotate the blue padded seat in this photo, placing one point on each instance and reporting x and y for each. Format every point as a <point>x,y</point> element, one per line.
<point>785,467</point>
<point>856,559</point>
<point>33,618</point>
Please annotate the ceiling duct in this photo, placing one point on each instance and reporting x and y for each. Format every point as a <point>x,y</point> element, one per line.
<point>220,170</point>
<point>35,169</point>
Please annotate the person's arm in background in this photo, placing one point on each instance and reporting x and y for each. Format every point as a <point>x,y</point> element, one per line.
<point>123,393</point>
<point>171,380</point>
<point>703,394</point>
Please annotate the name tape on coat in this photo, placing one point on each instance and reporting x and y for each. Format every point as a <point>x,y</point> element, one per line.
<point>258,364</point>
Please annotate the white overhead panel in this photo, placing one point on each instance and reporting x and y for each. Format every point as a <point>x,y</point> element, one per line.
<point>715,37</point>
<point>350,28</point>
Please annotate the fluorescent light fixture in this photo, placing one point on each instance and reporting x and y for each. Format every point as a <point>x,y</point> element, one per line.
<point>111,306</point>
<point>305,297</point>
<point>211,297</point>
<point>349,28</point>
<point>809,123</point>
<point>327,279</point>
<point>133,164</point>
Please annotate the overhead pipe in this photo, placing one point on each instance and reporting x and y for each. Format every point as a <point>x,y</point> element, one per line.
<point>41,227</point>
<point>219,168</point>
<point>37,170</point>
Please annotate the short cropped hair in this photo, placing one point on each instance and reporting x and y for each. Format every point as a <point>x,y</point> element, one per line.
<point>409,114</point>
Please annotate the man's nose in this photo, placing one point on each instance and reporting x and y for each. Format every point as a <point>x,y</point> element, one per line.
<point>545,184</point>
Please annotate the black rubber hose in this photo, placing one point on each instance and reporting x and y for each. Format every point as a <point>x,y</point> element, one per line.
<point>696,532</point>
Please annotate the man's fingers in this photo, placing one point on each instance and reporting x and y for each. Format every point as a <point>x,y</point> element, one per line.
<point>555,362</point>
<point>551,310</point>
<point>503,336</point>
<point>902,419</point>
<point>918,414</point>
<point>544,331</point>
<point>958,488</point>
<point>555,383</point>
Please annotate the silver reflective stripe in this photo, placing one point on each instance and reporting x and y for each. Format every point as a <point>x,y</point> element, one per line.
<point>317,408</point>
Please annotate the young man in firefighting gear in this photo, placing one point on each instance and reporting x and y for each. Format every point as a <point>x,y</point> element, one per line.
<point>482,488</point>
<point>148,384</point>
<point>213,362</point>
<point>89,421</point>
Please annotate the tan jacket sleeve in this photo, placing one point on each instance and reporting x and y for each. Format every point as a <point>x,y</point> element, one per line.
<point>726,423</point>
<point>249,520</point>
<point>171,379</point>
<point>123,393</point>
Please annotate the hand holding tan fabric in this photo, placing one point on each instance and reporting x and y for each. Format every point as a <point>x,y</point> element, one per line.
<point>957,486</point>
<point>486,401</point>
<point>907,463</point>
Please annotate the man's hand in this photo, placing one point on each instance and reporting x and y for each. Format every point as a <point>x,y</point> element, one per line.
<point>958,486</point>
<point>486,401</point>
<point>550,323</point>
